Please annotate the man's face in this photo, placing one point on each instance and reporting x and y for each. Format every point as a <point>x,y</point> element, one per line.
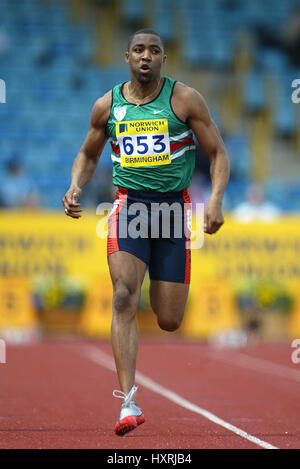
<point>145,57</point>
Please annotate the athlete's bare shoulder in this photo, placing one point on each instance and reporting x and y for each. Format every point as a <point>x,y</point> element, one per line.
<point>188,103</point>
<point>101,110</point>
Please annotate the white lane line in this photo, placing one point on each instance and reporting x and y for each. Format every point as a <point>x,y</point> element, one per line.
<point>257,364</point>
<point>101,358</point>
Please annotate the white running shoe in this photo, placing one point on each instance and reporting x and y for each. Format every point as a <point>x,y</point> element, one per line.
<point>131,415</point>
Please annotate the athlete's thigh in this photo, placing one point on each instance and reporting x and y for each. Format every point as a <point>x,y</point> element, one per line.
<point>168,299</point>
<point>127,270</point>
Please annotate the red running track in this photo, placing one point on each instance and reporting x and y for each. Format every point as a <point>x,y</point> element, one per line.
<point>56,395</point>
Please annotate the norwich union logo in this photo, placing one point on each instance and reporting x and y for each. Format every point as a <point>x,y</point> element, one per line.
<point>119,112</point>
<point>123,128</point>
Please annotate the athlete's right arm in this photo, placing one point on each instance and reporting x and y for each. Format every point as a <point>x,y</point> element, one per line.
<point>86,161</point>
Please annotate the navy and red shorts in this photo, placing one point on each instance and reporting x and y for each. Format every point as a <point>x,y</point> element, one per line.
<point>155,228</point>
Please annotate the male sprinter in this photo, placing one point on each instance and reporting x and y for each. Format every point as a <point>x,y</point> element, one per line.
<point>149,121</point>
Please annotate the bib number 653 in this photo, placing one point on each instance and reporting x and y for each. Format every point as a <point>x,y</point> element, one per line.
<point>144,144</point>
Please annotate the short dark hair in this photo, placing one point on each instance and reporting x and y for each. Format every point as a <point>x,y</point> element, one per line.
<point>145,31</point>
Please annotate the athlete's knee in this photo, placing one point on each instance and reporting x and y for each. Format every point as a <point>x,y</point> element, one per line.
<point>123,298</point>
<point>169,325</point>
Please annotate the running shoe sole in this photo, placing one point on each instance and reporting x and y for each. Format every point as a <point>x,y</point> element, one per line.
<point>127,424</point>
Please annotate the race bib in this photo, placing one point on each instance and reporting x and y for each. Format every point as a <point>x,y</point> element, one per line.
<point>144,142</point>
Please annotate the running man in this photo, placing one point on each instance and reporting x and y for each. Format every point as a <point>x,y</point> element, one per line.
<point>150,121</point>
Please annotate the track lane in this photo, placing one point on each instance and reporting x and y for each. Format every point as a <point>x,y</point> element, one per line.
<point>261,403</point>
<point>104,359</point>
<point>53,397</point>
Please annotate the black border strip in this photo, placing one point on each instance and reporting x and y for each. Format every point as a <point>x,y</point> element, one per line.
<point>111,106</point>
<point>183,122</point>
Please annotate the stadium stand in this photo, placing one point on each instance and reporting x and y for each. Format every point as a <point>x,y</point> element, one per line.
<point>50,61</point>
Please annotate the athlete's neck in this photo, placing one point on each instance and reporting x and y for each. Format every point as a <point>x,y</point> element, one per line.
<point>141,91</point>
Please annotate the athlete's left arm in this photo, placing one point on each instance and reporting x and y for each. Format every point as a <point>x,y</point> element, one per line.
<point>210,140</point>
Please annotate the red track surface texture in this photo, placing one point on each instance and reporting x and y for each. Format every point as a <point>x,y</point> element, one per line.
<point>55,395</point>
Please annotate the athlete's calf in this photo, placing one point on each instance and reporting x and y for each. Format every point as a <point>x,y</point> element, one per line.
<point>168,301</point>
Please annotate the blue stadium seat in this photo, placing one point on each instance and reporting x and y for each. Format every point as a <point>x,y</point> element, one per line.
<point>272,60</point>
<point>237,145</point>
<point>133,11</point>
<point>50,94</point>
<point>285,117</point>
<point>164,19</point>
<point>254,92</point>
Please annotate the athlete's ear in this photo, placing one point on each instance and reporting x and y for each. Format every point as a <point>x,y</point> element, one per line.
<point>164,59</point>
<point>127,57</point>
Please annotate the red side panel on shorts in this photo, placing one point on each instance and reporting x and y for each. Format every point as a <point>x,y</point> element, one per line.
<point>112,238</point>
<point>188,206</point>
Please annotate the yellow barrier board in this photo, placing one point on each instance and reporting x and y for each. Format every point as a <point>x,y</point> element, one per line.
<point>294,317</point>
<point>16,309</point>
<point>210,308</point>
<point>251,250</point>
<point>237,254</point>
<point>49,243</point>
<point>97,313</point>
